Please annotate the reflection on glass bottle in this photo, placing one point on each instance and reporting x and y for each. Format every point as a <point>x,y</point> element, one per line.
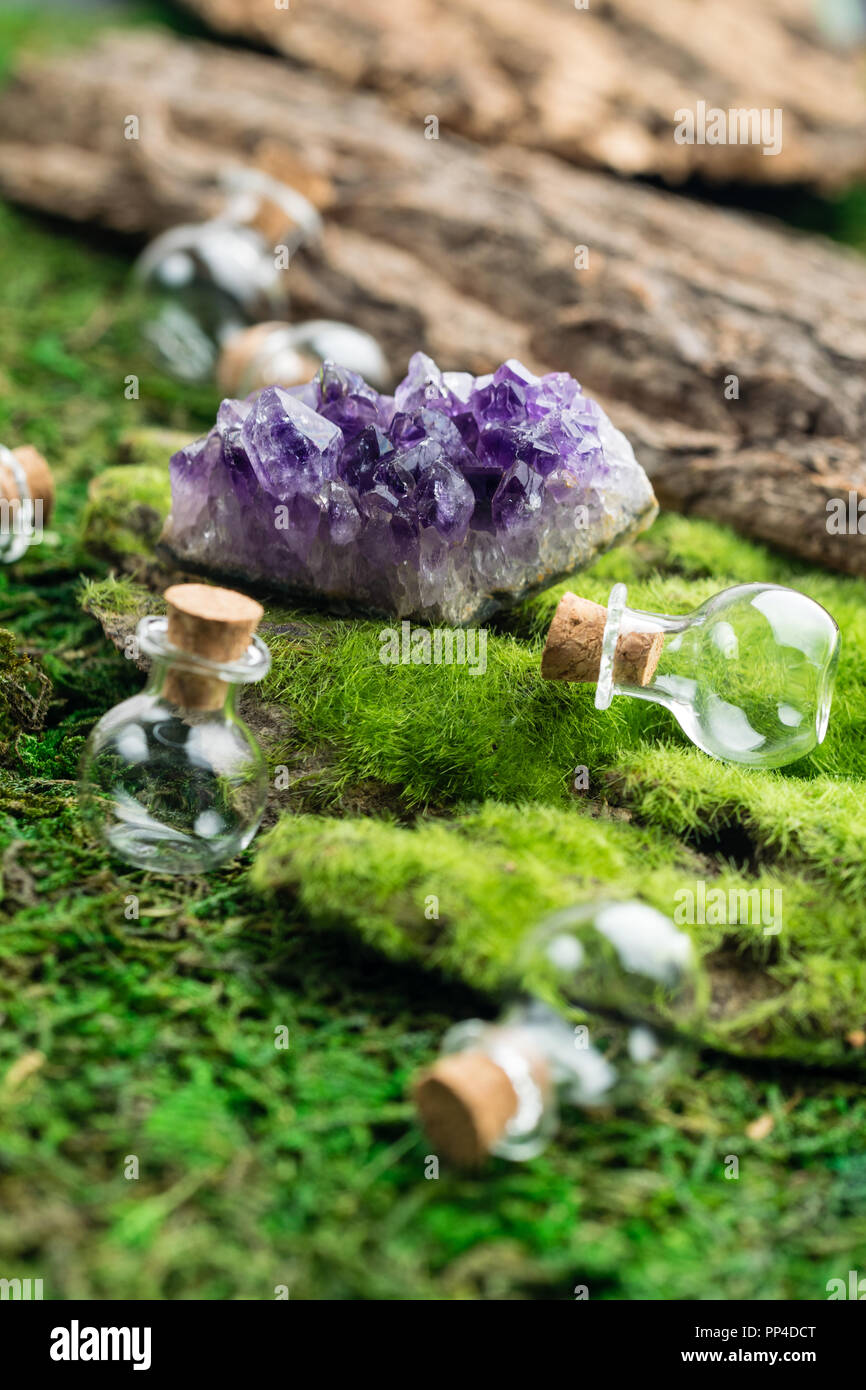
<point>172,779</point>
<point>749,675</point>
<point>210,280</point>
<point>842,22</point>
<point>621,958</point>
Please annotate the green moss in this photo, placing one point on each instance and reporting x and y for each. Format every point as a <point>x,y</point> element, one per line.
<point>25,691</point>
<point>444,732</point>
<point>139,1014</point>
<point>817,825</point>
<point>119,596</point>
<point>464,897</point>
<point>302,1166</point>
<point>126,509</point>
<point>442,738</point>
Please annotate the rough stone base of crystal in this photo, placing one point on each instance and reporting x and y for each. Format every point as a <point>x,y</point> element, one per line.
<point>454,499</point>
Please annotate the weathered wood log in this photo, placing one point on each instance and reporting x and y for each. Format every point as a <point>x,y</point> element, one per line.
<point>731,350</point>
<point>597,83</point>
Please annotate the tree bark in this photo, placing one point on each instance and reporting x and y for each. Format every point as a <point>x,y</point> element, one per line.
<point>598,85</point>
<point>732,351</point>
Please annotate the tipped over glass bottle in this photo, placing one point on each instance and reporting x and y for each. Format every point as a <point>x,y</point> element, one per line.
<point>290,354</point>
<point>496,1087</point>
<point>748,676</point>
<point>618,957</point>
<point>172,779</point>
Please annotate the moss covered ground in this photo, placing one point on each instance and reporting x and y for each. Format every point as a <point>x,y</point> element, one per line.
<point>140,1014</point>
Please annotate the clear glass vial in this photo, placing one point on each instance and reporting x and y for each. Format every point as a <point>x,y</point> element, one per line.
<point>172,779</point>
<point>748,676</point>
<point>210,280</point>
<point>496,1088</point>
<point>26,500</point>
<point>290,354</point>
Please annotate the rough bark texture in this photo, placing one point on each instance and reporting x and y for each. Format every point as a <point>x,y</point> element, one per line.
<point>470,254</point>
<point>598,85</point>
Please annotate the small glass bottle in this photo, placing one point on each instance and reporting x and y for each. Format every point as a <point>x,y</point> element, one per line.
<point>26,500</point>
<point>497,1087</point>
<point>290,354</point>
<point>210,280</point>
<point>172,779</point>
<point>748,676</point>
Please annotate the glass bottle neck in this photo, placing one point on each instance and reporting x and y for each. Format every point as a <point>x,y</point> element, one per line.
<point>192,692</point>
<point>616,677</point>
<point>672,680</point>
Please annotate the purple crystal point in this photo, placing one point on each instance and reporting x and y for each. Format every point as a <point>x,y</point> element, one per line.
<point>231,415</point>
<point>308,393</point>
<point>289,446</point>
<point>360,456</point>
<point>452,498</point>
<point>423,385</point>
<point>346,399</point>
<point>505,397</point>
<point>557,389</point>
<point>445,500</point>
<point>408,428</point>
<point>517,496</point>
<point>343,517</point>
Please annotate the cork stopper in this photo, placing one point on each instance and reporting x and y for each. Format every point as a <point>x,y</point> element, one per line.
<point>283,166</point>
<point>279,161</point>
<point>573,648</point>
<point>465,1102</point>
<point>247,362</point>
<point>217,624</point>
<point>272,222</point>
<point>40,483</point>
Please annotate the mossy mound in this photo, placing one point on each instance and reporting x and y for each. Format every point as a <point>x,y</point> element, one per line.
<point>125,511</point>
<point>496,752</point>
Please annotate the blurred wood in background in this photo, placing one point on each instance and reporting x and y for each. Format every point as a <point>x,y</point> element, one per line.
<point>598,86</point>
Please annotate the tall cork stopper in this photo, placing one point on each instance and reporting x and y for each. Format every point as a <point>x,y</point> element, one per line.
<point>573,648</point>
<point>217,624</point>
<point>465,1101</point>
<point>253,358</point>
<point>40,483</point>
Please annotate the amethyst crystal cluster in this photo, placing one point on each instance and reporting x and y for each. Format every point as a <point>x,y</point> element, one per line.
<point>454,497</point>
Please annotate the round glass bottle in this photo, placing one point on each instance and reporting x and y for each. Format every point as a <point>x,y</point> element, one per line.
<point>497,1087</point>
<point>289,354</point>
<point>619,957</point>
<point>748,676</point>
<point>172,779</point>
